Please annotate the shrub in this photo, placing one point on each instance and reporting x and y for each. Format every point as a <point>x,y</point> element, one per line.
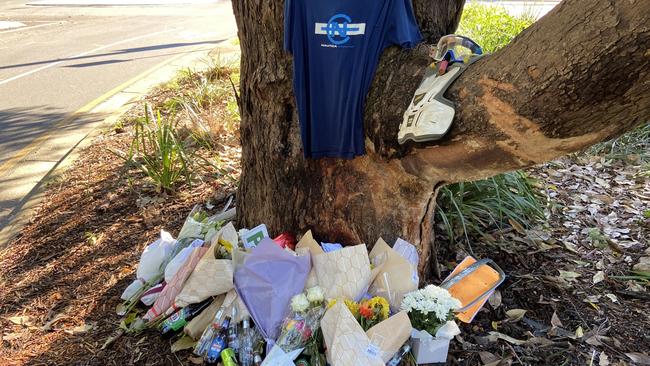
<point>491,26</point>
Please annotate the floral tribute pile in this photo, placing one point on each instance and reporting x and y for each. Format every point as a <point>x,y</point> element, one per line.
<point>242,298</point>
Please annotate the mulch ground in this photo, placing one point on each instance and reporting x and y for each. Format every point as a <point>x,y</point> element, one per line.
<point>562,274</point>
<point>61,279</point>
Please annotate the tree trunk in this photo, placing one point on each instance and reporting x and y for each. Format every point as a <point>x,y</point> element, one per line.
<point>576,77</point>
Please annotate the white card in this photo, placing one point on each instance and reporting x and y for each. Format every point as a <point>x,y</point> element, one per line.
<point>254,236</point>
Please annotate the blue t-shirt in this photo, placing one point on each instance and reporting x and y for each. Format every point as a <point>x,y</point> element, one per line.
<point>336,46</point>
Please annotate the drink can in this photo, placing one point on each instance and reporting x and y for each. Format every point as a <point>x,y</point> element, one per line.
<point>302,362</point>
<point>228,357</point>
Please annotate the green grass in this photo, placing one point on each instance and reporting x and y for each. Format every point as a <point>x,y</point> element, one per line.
<point>158,152</point>
<point>491,26</point>
<point>472,210</point>
<point>634,145</point>
<point>194,112</point>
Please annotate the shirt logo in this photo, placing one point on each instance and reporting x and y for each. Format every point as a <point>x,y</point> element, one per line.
<point>339,29</point>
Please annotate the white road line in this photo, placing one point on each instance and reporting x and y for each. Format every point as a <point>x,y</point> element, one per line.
<point>9,24</point>
<point>5,81</point>
<point>25,28</point>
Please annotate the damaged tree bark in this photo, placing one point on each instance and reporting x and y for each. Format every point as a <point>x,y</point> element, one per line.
<point>576,77</point>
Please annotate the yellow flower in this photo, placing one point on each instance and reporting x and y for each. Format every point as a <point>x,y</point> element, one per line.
<point>226,244</point>
<point>380,304</point>
<point>353,307</point>
<point>291,324</point>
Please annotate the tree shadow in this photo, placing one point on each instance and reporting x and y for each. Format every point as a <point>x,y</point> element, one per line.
<point>123,51</point>
<point>22,125</point>
<point>20,128</point>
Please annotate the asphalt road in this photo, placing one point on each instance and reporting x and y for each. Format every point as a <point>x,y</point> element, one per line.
<point>65,57</point>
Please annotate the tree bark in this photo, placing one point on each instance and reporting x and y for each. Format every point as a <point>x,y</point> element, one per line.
<point>576,77</point>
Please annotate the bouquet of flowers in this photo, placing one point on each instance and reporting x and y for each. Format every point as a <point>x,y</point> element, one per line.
<point>431,311</point>
<point>373,312</point>
<point>369,312</point>
<point>298,330</point>
<point>430,308</point>
<point>156,256</point>
<point>304,321</point>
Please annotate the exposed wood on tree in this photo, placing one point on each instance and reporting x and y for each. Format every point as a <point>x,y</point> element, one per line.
<point>576,77</point>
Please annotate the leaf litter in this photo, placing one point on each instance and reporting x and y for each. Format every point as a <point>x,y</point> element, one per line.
<point>571,283</point>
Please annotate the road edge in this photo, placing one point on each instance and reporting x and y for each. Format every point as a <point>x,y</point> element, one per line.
<point>116,102</point>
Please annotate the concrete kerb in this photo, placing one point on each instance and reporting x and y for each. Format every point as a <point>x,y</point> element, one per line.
<point>114,107</point>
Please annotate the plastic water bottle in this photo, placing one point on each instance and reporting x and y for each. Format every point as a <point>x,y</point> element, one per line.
<point>246,356</point>
<point>202,346</point>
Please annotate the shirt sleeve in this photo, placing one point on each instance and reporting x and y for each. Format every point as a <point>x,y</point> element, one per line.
<point>288,25</point>
<point>403,28</point>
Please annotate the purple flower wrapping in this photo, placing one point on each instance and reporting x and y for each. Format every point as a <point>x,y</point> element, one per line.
<point>266,282</point>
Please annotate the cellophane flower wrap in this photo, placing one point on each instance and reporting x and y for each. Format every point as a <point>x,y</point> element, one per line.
<point>430,308</point>
<point>303,323</point>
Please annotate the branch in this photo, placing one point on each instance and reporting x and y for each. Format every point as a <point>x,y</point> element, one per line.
<point>576,77</point>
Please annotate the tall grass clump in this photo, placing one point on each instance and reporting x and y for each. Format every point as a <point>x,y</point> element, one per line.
<point>158,151</point>
<point>474,209</point>
<point>491,26</point>
<point>633,144</point>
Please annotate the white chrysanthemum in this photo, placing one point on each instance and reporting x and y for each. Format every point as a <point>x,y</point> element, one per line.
<point>431,299</point>
<point>299,303</point>
<point>315,294</point>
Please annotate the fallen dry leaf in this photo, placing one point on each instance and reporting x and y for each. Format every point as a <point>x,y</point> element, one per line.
<point>603,359</point>
<point>495,299</point>
<point>196,360</point>
<point>579,332</point>
<point>598,277</point>
<point>569,275</point>
<point>185,342</point>
<point>494,336</point>
<point>80,329</point>
<point>612,297</point>
<point>638,357</point>
<point>555,321</point>
<point>12,336</point>
<point>515,314</point>
<point>487,357</point>
<point>20,320</point>
<point>540,341</point>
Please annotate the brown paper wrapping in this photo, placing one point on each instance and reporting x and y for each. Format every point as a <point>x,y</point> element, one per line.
<point>344,273</point>
<point>395,277</point>
<point>211,277</point>
<point>348,345</point>
<point>307,243</point>
<point>395,331</point>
